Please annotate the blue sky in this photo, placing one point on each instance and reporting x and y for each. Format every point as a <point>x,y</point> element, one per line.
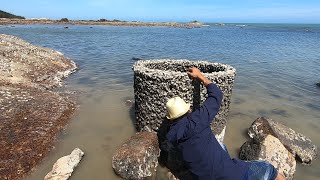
<point>261,11</point>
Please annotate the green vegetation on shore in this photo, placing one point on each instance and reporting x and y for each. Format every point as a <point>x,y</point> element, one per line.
<point>4,14</point>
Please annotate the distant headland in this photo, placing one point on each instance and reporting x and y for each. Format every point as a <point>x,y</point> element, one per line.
<point>11,19</point>
<point>4,14</point>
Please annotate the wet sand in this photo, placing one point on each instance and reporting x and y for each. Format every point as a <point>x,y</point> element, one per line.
<point>103,123</point>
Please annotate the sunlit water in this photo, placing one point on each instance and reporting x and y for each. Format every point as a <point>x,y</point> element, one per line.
<point>277,68</point>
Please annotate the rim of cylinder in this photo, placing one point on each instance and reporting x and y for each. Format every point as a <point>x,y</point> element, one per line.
<point>141,66</point>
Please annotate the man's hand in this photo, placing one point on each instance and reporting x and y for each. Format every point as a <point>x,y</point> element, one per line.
<point>196,73</point>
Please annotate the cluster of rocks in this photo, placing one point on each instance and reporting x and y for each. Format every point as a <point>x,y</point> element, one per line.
<point>31,113</point>
<point>270,141</point>
<point>279,145</point>
<point>5,21</point>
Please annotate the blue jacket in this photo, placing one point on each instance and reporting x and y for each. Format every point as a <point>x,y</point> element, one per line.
<point>201,152</point>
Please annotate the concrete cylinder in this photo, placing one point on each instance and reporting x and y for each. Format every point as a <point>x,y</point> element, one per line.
<point>156,81</point>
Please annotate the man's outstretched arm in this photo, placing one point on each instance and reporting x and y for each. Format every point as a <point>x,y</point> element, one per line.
<point>211,106</point>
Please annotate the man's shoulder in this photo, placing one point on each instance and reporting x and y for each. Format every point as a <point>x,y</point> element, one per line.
<point>178,129</point>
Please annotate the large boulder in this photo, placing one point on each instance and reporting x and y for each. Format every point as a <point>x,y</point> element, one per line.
<point>271,150</point>
<point>298,144</point>
<point>64,166</point>
<point>137,158</point>
<point>24,64</point>
<point>31,113</point>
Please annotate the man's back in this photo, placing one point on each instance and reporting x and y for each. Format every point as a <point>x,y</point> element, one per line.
<point>201,152</point>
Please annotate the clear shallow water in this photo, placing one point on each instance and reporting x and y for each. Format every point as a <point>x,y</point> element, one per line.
<point>277,68</point>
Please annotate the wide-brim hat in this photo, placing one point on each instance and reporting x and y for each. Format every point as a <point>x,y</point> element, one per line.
<point>176,107</point>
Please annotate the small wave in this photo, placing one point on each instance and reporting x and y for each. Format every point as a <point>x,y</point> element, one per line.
<point>241,25</point>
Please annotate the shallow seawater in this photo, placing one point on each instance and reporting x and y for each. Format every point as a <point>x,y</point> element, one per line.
<point>277,68</point>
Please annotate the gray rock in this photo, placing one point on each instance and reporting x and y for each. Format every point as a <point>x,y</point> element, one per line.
<point>64,166</point>
<point>271,150</point>
<point>29,65</point>
<point>137,158</point>
<point>298,144</point>
<point>155,81</point>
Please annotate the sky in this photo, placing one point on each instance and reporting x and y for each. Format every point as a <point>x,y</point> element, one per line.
<point>220,11</point>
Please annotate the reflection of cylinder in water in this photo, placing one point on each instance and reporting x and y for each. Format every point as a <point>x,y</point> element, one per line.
<point>155,81</point>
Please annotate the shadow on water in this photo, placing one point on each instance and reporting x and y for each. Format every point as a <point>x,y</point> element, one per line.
<point>276,111</point>
<point>129,102</point>
<point>244,133</point>
<point>313,106</point>
<point>263,112</point>
<point>133,115</point>
<point>281,112</point>
<point>87,81</point>
<point>238,101</point>
<point>275,95</point>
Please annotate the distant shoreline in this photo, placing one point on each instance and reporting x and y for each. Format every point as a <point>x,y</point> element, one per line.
<point>7,21</point>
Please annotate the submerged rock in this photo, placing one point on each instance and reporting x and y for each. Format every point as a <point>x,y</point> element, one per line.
<point>30,113</point>
<point>135,59</point>
<point>64,166</point>
<point>137,158</point>
<point>271,150</point>
<point>318,84</point>
<point>129,102</point>
<point>298,144</point>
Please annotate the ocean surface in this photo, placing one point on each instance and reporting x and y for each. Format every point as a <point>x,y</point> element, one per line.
<point>277,66</point>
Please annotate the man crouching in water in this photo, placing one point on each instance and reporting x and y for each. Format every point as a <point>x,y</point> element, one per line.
<point>202,154</point>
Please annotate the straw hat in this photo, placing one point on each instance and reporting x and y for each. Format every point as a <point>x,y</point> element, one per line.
<point>176,107</point>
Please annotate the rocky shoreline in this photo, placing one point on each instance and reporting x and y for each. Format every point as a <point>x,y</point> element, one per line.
<point>269,140</point>
<point>31,111</point>
<point>5,21</point>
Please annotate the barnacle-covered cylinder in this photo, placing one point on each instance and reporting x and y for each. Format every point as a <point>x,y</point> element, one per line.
<point>156,81</point>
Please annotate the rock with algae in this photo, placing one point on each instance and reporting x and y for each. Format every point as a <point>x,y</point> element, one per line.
<point>31,113</point>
